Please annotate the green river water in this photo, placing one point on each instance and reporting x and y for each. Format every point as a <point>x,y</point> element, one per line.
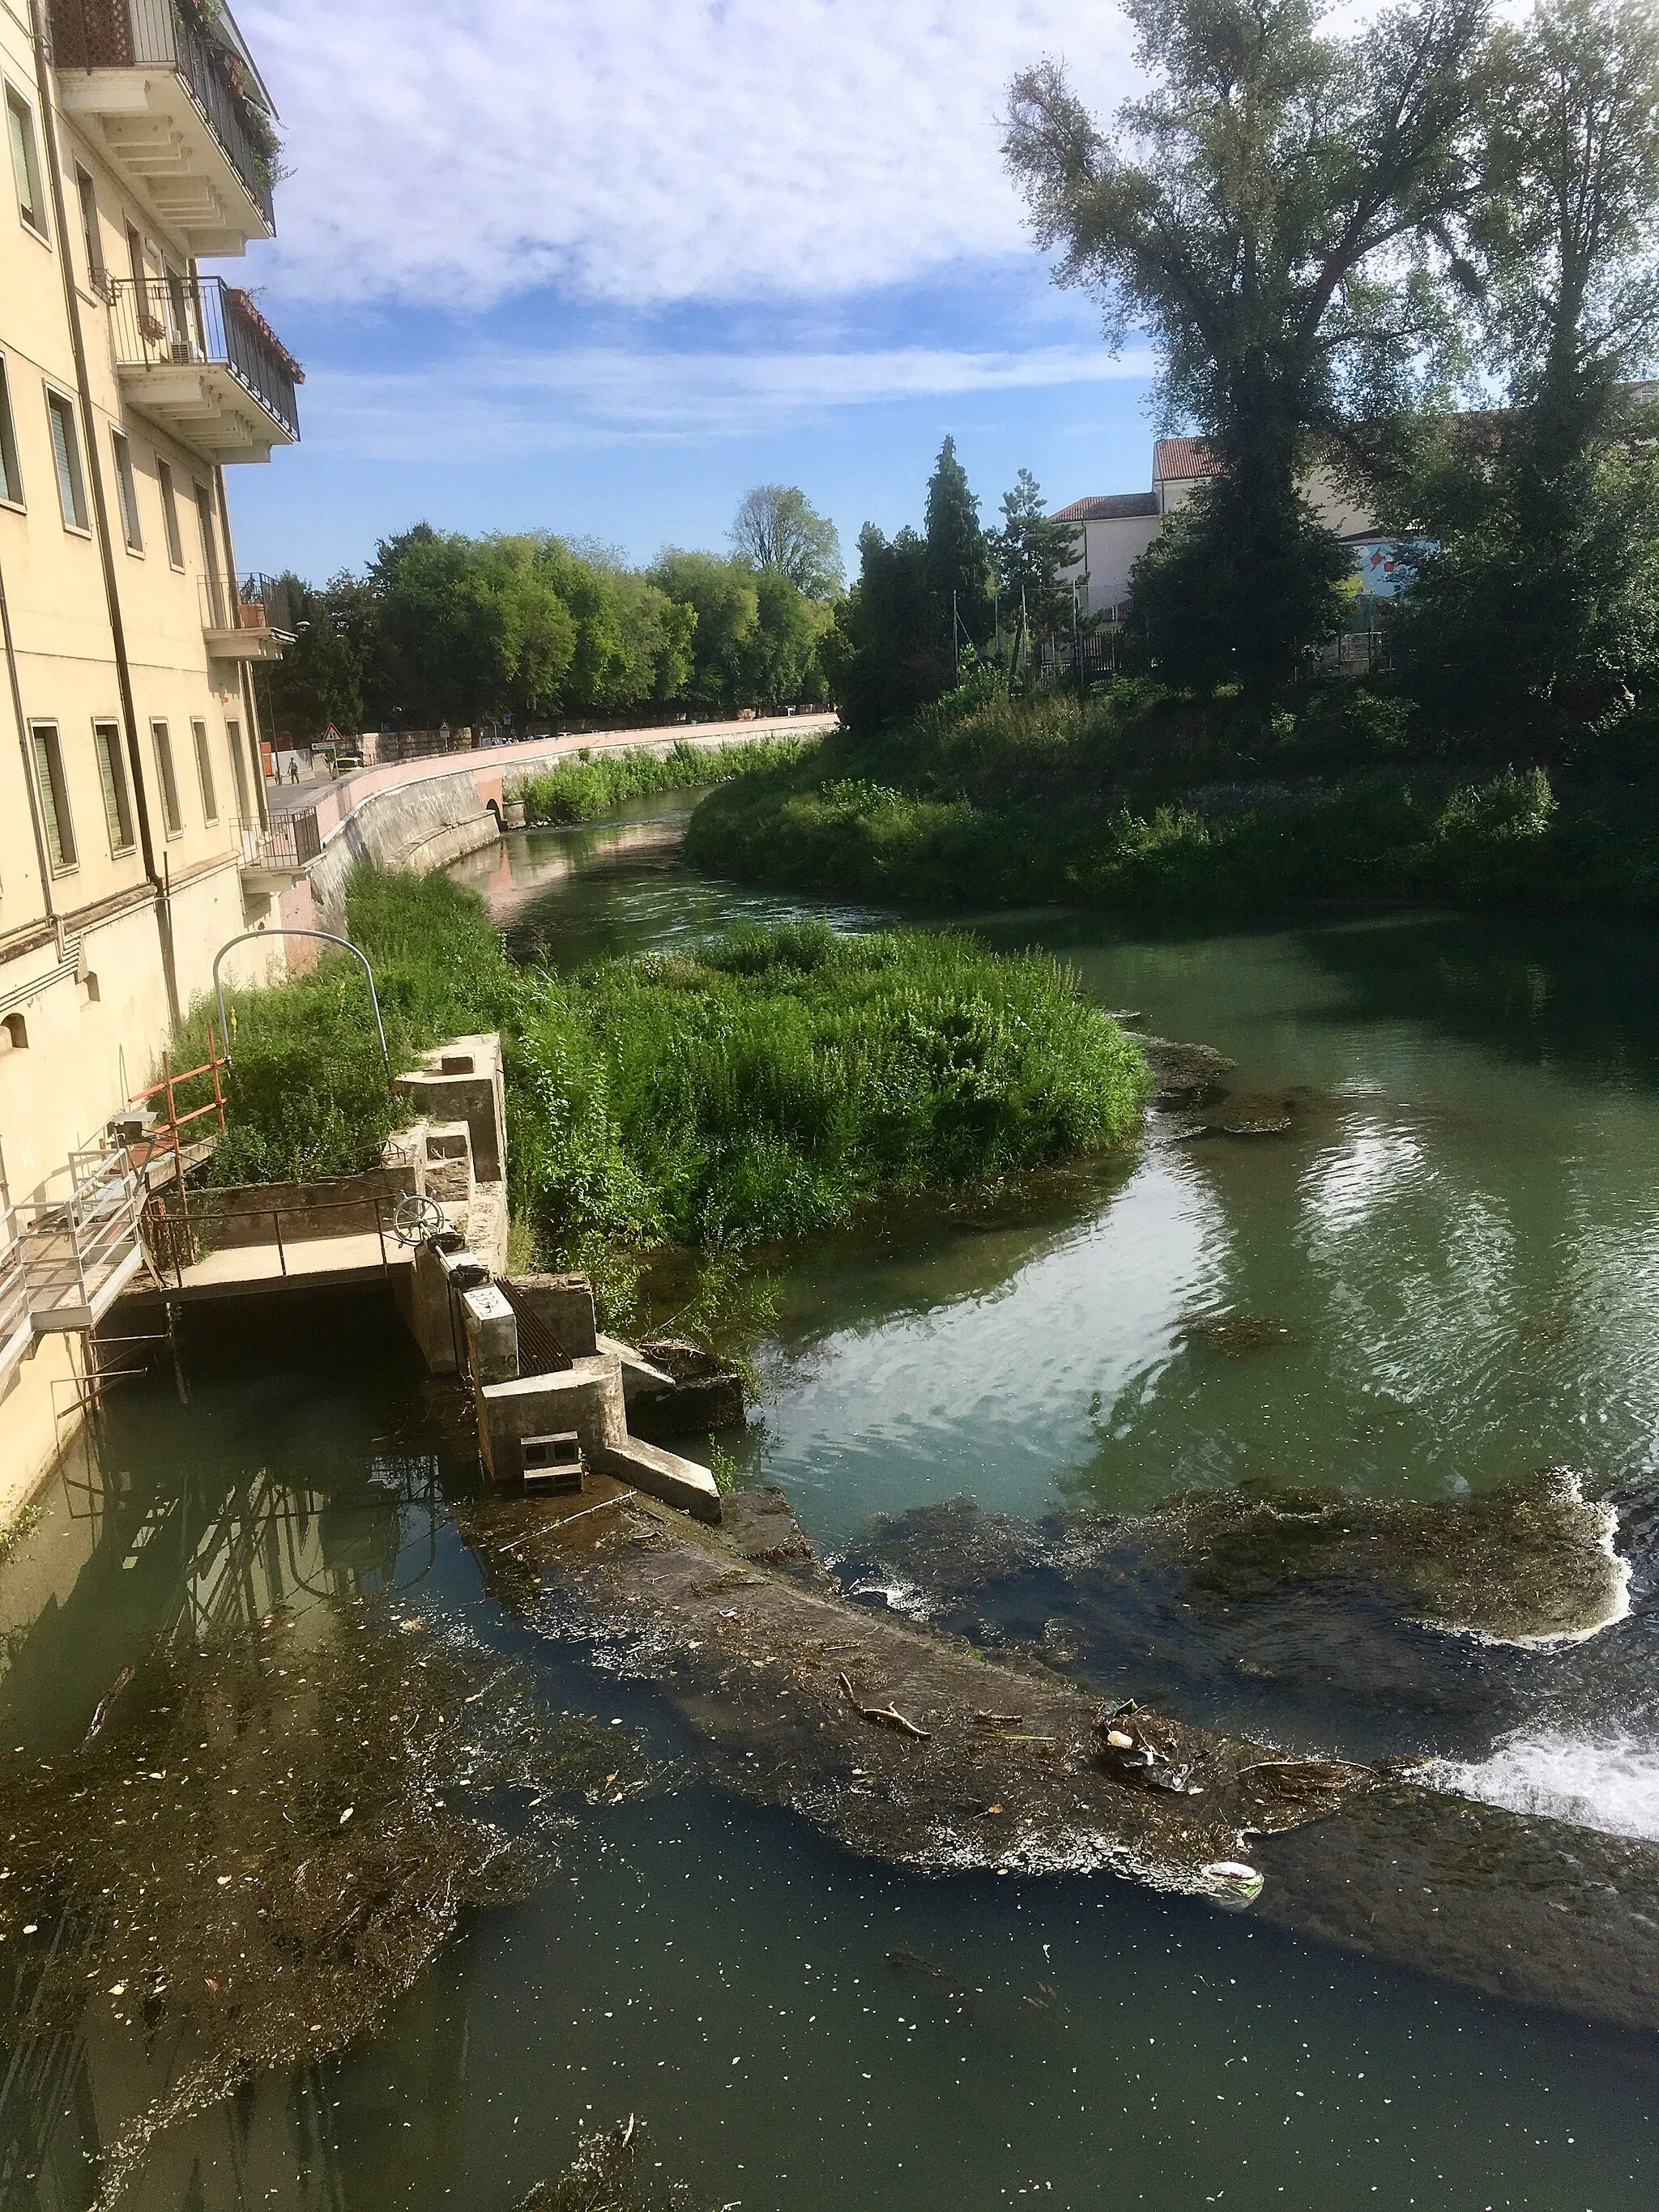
<point>1457,1245</point>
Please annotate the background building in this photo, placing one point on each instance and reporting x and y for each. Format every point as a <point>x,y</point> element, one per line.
<point>1115,529</point>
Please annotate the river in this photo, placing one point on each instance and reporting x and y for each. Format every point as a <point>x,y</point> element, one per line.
<point>1449,1269</point>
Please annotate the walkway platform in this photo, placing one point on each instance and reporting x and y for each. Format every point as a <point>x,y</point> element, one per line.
<point>309,1263</point>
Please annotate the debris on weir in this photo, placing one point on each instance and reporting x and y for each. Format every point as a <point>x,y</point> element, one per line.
<point>266,1837</point>
<point>896,1739</point>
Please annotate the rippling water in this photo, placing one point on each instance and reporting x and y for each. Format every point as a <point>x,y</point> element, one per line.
<point>1456,1251</point>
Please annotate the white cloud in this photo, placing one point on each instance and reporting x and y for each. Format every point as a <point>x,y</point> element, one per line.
<point>496,404</point>
<point>646,151</point>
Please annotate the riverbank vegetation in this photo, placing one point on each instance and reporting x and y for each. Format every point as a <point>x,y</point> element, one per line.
<point>764,1085</point>
<point>576,790</point>
<point>1145,801</point>
<point>1330,239</point>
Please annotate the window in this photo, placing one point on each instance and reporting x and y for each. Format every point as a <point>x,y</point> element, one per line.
<point>66,452</point>
<point>127,492</point>
<point>90,229</point>
<point>171,809</point>
<point>11,477</point>
<point>204,772</point>
<point>54,795</point>
<point>238,769</point>
<point>112,774</point>
<point>170,514</point>
<point>25,163</point>
<point>222,617</point>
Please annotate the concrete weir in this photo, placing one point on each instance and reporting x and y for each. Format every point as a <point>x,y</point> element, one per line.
<point>554,1398</point>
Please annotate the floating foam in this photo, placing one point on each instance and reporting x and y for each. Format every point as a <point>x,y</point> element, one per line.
<point>1609,1783</point>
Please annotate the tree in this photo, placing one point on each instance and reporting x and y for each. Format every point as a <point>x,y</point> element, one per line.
<point>1268,212</point>
<point>319,677</point>
<point>755,636</point>
<point>890,652</point>
<point>1570,224</point>
<point>1030,551</point>
<point>780,658</point>
<point>472,627</point>
<point>775,528</point>
<point>1538,594</point>
<point>958,557</point>
<point>725,598</point>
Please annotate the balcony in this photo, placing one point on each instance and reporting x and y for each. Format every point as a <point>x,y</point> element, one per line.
<point>184,116</point>
<point>246,620</point>
<point>272,859</point>
<point>195,355</point>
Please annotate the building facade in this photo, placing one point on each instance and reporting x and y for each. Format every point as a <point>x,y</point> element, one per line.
<point>1114,531</point>
<point>139,137</point>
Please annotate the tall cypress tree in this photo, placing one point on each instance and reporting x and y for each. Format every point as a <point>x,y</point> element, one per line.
<point>958,557</point>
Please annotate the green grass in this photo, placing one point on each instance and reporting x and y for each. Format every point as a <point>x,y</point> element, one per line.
<point>1140,804</point>
<point>578,789</point>
<point>765,1086</point>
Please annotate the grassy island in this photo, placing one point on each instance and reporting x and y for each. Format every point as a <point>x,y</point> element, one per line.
<point>765,1085</point>
<point>1143,802</point>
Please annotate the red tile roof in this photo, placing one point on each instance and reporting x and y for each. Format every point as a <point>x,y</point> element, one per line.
<point>1108,508</point>
<point>1175,459</point>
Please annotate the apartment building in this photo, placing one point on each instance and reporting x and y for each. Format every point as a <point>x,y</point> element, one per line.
<point>1115,529</point>
<point>139,138</point>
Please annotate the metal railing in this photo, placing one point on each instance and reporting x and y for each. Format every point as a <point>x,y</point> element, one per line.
<point>14,1285</point>
<point>75,1250</point>
<point>248,603</point>
<point>201,1223</point>
<point>267,602</point>
<point>163,322</point>
<point>291,843</point>
<point>93,34</point>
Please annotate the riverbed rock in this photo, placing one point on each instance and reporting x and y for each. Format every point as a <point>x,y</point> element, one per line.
<point>1184,1074</point>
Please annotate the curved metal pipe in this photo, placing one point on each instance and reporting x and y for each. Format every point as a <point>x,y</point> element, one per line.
<point>327,937</point>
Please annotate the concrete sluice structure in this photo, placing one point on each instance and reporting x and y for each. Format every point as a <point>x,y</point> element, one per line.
<point>553,1396</point>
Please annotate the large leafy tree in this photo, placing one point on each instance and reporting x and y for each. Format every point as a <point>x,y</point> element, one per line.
<point>757,634</point>
<point>472,627</point>
<point>777,528</point>
<point>891,649</point>
<point>319,677</point>
<point>1268,212</point>
<point>1539,596</point>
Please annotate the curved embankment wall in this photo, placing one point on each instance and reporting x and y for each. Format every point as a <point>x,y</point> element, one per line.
<point>420,826</point>
<point>430,822</point>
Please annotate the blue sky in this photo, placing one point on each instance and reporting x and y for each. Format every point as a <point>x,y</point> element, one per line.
<point>599,268</point>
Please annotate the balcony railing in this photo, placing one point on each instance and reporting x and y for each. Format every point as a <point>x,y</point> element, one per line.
<point>182,321</point>
<point>118,35</point>
<point>247,603</point>
<point>286,848</point>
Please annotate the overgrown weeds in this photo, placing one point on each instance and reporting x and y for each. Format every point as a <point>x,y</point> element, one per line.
<point>1136,801</point>
<point>764,1086</point>
<point>577,790</point>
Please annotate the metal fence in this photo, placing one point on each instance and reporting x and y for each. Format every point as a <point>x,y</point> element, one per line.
<point>77,1249</point>
<point>291,843</point>
<point>156,34</point>
<point>165,321</point>
<point>247,602</point>
<point>184,1228</point>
